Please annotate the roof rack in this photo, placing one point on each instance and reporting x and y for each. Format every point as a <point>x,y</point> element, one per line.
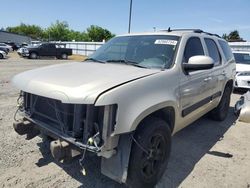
<point>193,30</point>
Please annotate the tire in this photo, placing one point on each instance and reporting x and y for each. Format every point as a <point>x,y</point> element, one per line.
<point>221,111</point>
<point>64,56</point>
<point>33,55</point>
<point>154,136</point>
<point>1,56</point>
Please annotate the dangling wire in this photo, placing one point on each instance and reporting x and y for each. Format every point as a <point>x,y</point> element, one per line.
<point>20,105</point>
<point>139,145</point>
<point>81,161</point>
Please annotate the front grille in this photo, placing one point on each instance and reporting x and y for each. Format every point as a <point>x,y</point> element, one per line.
<point>75,120</point>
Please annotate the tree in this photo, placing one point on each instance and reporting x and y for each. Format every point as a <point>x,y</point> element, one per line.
<point>224,36</point>
<point>58,31</point>
<point>78,36</point>
<point>98,34</point>
<point>232,36</point>
<point>33,31</point>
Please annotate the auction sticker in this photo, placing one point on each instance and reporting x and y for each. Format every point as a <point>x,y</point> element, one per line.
<point>167,42</point>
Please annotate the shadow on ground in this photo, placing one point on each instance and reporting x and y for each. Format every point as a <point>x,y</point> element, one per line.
<point>191,144</point>
<point>188,147</point>
<point>93,178</point>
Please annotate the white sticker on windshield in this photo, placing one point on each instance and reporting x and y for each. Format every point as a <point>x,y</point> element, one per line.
<point>167,42</point>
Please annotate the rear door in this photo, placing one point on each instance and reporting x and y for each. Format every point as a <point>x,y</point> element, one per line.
<point>218,75</point>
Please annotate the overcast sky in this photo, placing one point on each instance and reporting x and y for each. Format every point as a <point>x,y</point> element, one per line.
<point>216,16</point>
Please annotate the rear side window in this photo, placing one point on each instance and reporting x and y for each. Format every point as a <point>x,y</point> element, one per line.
<point>226,50</point>
<point>213,51</point>
<point>193,48</point>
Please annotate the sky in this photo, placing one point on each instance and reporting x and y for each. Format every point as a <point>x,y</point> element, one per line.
<point>215,16</point>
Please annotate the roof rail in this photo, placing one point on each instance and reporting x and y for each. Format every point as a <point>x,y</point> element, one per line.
<point>194,30</point>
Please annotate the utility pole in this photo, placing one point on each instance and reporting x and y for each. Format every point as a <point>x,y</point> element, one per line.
<point>130,12</point>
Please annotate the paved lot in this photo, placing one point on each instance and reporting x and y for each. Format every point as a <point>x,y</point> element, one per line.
<point>205,154</point>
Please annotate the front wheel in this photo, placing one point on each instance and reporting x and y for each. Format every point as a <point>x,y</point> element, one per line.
<point>1,56</point>
<point>150,153</point>
<point>221,111</point>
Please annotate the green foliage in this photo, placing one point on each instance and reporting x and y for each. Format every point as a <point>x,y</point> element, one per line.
<point>98,34</point>
<point>60,31</point>
<point>57,31</point>
<point>33,31</point>
<point>232,36</point>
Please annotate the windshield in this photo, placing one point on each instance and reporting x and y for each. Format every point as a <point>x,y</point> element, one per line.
<point>242,58</point>
<point>148,51</point>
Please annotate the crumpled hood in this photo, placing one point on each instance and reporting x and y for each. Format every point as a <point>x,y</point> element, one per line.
<point>80,82</point>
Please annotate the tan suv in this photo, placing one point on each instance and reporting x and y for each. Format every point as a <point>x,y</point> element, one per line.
<point>126,101</point>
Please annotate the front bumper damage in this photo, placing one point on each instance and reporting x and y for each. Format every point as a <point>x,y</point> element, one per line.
<point>82,125</point>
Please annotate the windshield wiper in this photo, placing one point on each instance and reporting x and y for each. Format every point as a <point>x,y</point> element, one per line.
<point>95,60</point>
<point>127,62</point>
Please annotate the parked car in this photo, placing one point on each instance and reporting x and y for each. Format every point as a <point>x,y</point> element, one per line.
<point>47,49</point>
<point>4,49</point>
<point>242,79</point>
<point>13,45</point>
<point>126,100</point>
<point>242,108</point>
<point>6,46</point>
<point>2,54</point>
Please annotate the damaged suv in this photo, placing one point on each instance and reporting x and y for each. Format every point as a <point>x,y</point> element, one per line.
<point>127,99</point>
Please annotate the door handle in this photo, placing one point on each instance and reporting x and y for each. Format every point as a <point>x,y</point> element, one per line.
<point>224,73</point>
<point>207,79</point>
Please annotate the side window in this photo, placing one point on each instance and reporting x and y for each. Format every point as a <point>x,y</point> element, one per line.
<point>226,49</point>
<point>213,51</point>
<point>51,46</point>
<point>193,48</point>
<point>44,45</point>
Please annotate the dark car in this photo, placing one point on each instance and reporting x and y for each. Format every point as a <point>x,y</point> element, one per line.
<point>47,49</point>
<point>13,45</point>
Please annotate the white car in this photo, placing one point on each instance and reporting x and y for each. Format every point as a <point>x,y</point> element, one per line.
<point>2,54</point>
<point>8,47</point>
<point>242,79</point>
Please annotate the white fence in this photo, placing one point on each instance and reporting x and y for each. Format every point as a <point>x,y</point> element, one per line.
<point>243,46</point>
<point>83,48</point>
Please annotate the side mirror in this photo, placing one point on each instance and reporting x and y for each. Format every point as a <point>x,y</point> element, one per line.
<point>199,62</point>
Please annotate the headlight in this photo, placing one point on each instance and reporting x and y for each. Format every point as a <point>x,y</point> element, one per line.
<point>25,50</point>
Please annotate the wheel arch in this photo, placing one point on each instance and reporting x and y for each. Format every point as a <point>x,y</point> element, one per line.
<point>229,84</point>
<point>166,113</point>
<point>35,52</point>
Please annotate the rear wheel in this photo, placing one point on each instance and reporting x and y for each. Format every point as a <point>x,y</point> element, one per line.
<point>150,153</point>
<point>64,56</point>
<point>1,56</point>
<point>221,111</point>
